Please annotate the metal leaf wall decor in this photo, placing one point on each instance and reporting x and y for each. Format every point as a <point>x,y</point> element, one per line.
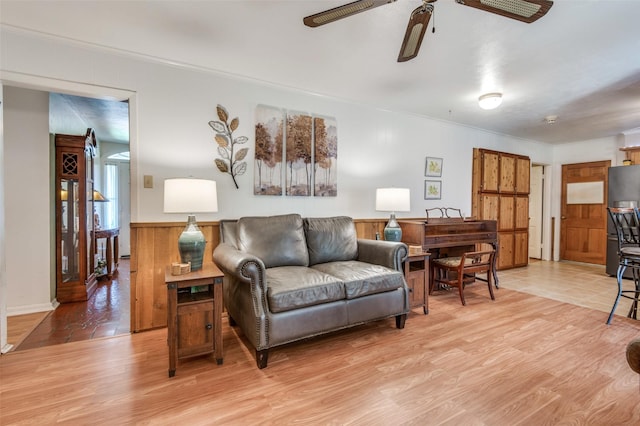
<point>231,161</point>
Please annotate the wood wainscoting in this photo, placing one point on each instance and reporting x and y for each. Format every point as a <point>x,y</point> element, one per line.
<point>155,245</point>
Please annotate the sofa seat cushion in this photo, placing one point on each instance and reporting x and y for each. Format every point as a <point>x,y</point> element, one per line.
<point>361,279</point>
<point>294,287</point>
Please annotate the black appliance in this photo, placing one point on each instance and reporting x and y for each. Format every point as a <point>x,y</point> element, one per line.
<point>623,191</point>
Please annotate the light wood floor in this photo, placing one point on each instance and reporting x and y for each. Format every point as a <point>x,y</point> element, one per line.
<point>519,360</point>
<point>576,283</point>
<point>20,326</point>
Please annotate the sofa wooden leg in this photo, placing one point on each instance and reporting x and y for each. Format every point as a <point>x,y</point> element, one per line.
<point>400,319</point>
<point>262,357</point>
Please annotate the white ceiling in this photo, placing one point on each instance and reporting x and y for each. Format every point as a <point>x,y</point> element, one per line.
<point>580,62</point>
<point>73,115</point>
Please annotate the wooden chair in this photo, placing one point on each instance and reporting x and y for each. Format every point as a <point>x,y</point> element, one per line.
<point>457,271</point>
<point>627,224</point>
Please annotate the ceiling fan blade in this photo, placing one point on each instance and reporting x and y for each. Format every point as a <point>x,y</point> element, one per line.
<point>416,28</point>
<point>523,10</point>
<point>342,12</point>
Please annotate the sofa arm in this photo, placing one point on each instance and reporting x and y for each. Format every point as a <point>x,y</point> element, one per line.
<point>386,253</point>
<point>245,292</point>
<point>242,266</point>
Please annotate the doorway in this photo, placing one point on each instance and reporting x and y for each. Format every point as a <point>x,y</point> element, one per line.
<point>536,209</point>
<point>583,226</point>
<point>115,291</point>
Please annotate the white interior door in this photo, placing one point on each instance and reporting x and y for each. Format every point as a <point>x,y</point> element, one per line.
<point>535,212</point>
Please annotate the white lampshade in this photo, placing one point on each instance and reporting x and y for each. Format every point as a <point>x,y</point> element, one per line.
<point>490,100</point>
<point>393,200</point>
<point>190,196</point>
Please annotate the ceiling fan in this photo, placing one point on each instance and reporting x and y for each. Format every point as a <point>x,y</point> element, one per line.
<point>523,10</point>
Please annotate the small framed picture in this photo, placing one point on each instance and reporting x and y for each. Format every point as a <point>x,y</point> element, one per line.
<point>433,167</point>
<point>432,189</point>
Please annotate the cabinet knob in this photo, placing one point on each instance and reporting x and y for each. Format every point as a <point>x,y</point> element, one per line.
<point>209,326</point>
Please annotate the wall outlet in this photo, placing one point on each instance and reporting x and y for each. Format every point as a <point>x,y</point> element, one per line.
<point>148,181</point>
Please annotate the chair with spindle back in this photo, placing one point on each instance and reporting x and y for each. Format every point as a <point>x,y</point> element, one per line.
<point>465,267</point>
<point>626,221</point>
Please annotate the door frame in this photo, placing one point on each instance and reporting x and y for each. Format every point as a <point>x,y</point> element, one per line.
<point>538,203</point>
<point>47,84</point>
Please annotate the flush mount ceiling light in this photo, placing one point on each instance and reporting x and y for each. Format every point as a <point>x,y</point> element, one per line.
<point>551,119</point>
<point>490,100</point>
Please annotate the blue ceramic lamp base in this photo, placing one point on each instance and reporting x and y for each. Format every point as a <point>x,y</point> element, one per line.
<point>191,244</point>
<point>392,232</point>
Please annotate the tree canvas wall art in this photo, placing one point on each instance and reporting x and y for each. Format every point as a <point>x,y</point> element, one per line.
<point>295,151</point>
<point>325,166</point>
<point>298,154</point>
<point>268,157</point>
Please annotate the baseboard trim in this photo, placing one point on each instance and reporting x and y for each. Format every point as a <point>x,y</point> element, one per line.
<point>31,309</point>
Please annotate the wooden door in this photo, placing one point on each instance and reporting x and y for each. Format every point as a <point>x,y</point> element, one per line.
<point>583,226</point>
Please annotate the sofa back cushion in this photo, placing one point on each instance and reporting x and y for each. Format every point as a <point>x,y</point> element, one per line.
<point>331,239</point>
<point>229,232</point>
<point>276,240</point>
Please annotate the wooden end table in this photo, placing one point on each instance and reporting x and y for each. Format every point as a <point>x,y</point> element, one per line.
<point>416,273</point>
<point>194,314</point>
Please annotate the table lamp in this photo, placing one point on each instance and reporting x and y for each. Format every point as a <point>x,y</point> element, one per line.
<point>97,198</point>
<point>191,196</point>
<point>393,200</point>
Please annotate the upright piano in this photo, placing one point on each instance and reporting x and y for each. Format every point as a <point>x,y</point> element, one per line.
<point>440,233</point>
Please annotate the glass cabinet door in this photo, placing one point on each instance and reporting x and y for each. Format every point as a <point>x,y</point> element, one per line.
<point>70,222</point>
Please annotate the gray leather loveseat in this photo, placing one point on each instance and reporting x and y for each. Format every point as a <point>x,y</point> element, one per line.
<point>289,278</point>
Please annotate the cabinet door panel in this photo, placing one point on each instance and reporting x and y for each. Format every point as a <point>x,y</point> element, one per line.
<point>523,171</point>
<point>506,222</point>
<point>489,206</point>
<point>506,254</point>
<point>522,212</point>
<point>415,282</point>
<point>507,173</point>
<point>490,161</point>
<point>195,329</point>
<point>521,247</point>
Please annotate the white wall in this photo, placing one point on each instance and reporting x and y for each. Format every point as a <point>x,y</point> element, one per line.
<point>27,200</point>
<point>170,107</point>
<point>602,149</point>
<point>174,104</point>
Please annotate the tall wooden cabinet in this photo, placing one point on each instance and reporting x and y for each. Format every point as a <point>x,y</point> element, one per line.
<point>500,191</point>
<point>75,277</point>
